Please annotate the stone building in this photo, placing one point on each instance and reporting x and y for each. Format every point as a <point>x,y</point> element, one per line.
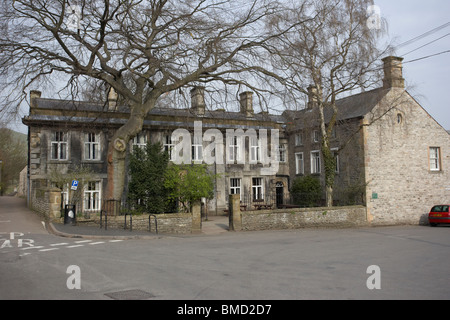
<point>392,156</point>
<point>65,136</point>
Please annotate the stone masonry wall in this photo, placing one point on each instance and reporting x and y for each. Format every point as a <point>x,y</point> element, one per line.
<point>167,223</point>
<point>297,218</point>
<point>401,188</point>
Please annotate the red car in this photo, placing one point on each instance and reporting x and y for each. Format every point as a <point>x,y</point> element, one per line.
<point>439,214</point>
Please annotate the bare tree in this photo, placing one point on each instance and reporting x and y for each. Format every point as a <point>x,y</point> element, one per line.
<point>329,56</point>
<point>142,49</point>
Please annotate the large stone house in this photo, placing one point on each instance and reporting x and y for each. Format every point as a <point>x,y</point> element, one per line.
<point>67,135</point>
<point>392,156</point>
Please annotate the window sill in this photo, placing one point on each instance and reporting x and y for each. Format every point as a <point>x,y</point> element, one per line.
<point>92,161</point>
<point>52,161</point>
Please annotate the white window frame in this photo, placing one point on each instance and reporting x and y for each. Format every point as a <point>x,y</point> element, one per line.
<point>299,138</point>
<point>197,148</point>
<point>299,163</point>
<point>91,146</point>
<point>315,162</point>
<point>434,158</point>
<point>234,148</point>
<point>282,153</point>
<point>336,159</point>
<point>59,143</point>
<point>140,140</point>
<point>235,186</point>
<point>255,149</point>
<point>257,188</point>
<point>315,136</point>
<point>92,197</point>
<point>168,145</point>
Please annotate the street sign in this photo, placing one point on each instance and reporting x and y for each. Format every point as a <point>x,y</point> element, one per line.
<point>74,185</point>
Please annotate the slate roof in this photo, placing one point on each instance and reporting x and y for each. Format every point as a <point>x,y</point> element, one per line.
<point>99,114</point>
<point>355,106</point>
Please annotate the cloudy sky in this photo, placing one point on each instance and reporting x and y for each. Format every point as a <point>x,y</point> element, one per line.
<point>428,80</point>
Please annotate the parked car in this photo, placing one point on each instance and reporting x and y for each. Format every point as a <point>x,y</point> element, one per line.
<point>439,214</point>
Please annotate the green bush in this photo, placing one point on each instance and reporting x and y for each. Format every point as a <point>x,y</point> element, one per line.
<point>306,191</point>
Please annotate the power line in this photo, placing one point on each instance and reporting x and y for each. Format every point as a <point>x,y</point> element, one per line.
<point>423,35</point>
<point>448,34</point>
<point>426,57</point>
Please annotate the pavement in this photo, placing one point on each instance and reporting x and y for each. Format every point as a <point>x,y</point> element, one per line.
<point>214,225</point>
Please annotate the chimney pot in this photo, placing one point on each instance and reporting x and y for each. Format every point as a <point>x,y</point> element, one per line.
<point>34,94</point>
<point>313,96</point>
<point>393,74</point>
<point>246,102</point>
<point>198,104</point>
<point>112,99</point>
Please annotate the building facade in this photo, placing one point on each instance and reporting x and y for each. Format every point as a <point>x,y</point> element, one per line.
<point>391,155</point>
<point>72,137</point>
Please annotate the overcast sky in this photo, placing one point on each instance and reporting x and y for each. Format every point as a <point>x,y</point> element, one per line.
<point>428,80</point>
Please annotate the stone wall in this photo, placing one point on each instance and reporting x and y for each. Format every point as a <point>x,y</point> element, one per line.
<point>47,201</point>
<point>167,223</point>
<point>401,188</point>
<point>297,218</point>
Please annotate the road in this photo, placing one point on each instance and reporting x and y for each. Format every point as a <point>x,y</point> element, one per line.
<point>412,261</point>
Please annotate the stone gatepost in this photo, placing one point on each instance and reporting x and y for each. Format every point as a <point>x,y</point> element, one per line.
<point>235,212</point>
<point>54,201</point>
<point>196,217</point>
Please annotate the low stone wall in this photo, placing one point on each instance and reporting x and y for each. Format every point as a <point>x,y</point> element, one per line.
<point>297,218</point>
<point>167,223</point>
<point>47,201</point>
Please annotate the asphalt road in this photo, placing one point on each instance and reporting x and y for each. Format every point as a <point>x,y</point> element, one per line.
<point>412,263</point>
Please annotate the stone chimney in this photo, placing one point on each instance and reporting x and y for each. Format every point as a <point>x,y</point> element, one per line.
<point>34,94</point>
<point>198,104</point>
<point>393,75</point>
<point>246,101</point>
<point>112,99</point>
<point>313,97</point>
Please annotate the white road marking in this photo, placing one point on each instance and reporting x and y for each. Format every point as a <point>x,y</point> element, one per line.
<point>49,249</point>
<point>75,246</point>
<point>83,241</point>
<point>59,244</point>
<point>115,240</point>
<point>99,242</point>
<point>36,247</point>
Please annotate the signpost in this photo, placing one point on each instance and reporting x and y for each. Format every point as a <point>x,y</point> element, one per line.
<point>74,185</point>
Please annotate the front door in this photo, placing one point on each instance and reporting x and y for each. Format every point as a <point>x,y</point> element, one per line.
<point>279,190</point>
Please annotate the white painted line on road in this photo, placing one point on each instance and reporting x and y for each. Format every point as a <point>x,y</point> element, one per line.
<point>24,254</point>
<point>93,243</point>
<point>75,246</point>
<point>83,241</point>
<point>27,248</point>
<point>5,221</point>
<point>49,249</point>
<point>59,244</point>
<point>115,240</point>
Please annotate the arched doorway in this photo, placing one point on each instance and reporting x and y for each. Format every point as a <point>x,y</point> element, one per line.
<point>279,193</point>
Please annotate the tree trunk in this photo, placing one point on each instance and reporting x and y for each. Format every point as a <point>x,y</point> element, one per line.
<point>117,150</point>
<point>329,196</point>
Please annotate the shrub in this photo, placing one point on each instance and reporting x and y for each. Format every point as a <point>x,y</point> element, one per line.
<point>306,191</point>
